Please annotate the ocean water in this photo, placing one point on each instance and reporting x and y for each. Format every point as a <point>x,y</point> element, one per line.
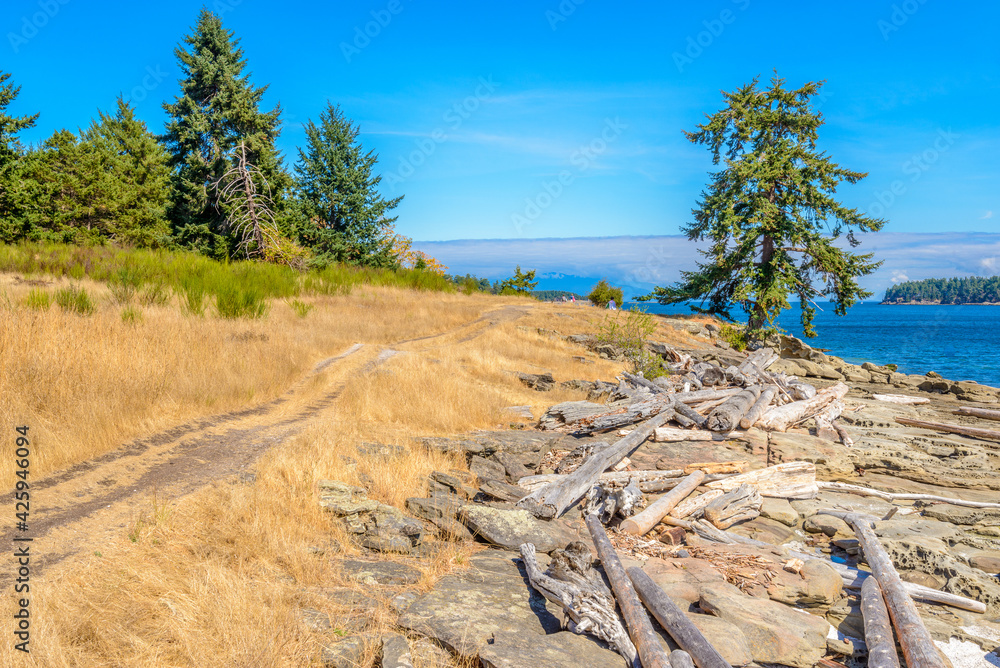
<point>958,342</point>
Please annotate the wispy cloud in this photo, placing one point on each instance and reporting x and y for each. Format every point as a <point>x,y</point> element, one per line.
<point>640,263</point>
<point>986,216</point>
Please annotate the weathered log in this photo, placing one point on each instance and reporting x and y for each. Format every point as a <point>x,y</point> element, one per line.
<point>589,607</point>
<point>759,360</point>
<point>790,480</point>
<point>903,399</point>
<point>683,420</point>
<point>692,505</point>
<point>971,432</point>
<point>727,416</point>
<point>738,505</point>
<point>878,630</point>
<point>759,407</point>
<point>706,407</point>
<point>682,409</point>
<point>648,518</point>
<point>889,496</point>
<point>824,421</point>
<point>735,466</point>
<point>918,647</point>
<point>680,659</point>
<point>845,438</point>
<point>666,484</point>
<point>705,395</point>
<point>672,435</point>
<point>781,418</point>
<point>553,500</point>
<point>675,622</point>
<point>984,413</point>
<point>637,412</point>
<point>674,522</point>
<point>640,629</point>
<point>852,577</point>
<point>606,501</point>
<point>642,382</point>
<point>620,478</point>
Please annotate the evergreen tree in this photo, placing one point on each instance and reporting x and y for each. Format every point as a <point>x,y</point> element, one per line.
<point>218,108</point>
<point>343,216</point>
<point>13,195</point>
<point>63,175</point>
<point>133,178</point>
<point>770,214</point>
<point>519,284</point>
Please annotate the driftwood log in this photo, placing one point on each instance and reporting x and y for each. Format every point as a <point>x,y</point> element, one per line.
<point>727,416</point>
<point>889,496</point>
<point>790,480</point>
<point>649,481</point>
<point>694,505</point>
<point>674,435</point>
<point>759,407</point>
<point>738,505</point>
<point>641,523</point>
<point>640,629</point>
<point>735,466</point>
<point>845,438</point>
<point>918,647</point>
<point>824,421</point>
<point>675,622</point>
<point>984,413</point>
<point>878,630</point>
<point>587,603</point>
<point>606,501</point>
<point>903,399</point>
<point>781,418</point>
<point>553,500</point>
<point>971,432</point>
<point>681,409</point>
<point>681,659</point>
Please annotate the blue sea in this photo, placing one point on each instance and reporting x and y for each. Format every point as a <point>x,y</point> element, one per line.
<point>958,342</point>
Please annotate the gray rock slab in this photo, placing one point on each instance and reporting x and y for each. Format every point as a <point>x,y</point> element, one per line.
<point>396,651</point>
<point>558,650</point>
<point>510,528</point>
<point>380,572</point>
<point>465,610</point>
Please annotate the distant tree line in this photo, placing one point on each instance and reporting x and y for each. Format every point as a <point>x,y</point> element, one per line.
<point>521,283</point>
<point>967,290</point>
<point>213,182</point>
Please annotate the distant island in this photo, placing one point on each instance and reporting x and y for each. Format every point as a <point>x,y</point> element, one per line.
<point>555,295</point>
<point>967,290</point>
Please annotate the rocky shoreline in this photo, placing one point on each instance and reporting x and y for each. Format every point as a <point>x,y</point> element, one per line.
<point>754,600</point>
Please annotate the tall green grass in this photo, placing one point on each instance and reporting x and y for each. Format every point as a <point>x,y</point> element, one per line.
<point>239,288</point>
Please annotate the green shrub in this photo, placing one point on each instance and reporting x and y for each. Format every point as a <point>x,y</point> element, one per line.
<point>300,307</point>
<point>734,336</point>
<point>124,285</point>
<point>38,299</point>
<point>192,293</point>
<point>602,294</point>
<point>155,294</point>
<point>131,315</point>
<point>75,300</point>
<point>629,331</point>
<point>240,301</point>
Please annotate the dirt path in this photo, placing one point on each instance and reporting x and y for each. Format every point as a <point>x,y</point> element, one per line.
<point>77,510</point>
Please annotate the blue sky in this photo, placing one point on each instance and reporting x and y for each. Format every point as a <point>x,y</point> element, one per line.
<point>541,120</point>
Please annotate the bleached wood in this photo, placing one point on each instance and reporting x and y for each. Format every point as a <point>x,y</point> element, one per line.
<point>727,416</point>
<point>693,504</point>
<point>878,629</point>
<point>736,466</point>
<point>890,496</point>
<point>553,499</point>
<point>790,480</point>
<point>984,413</point>
<point>641,523</point>
<point>759,407</point>
<point>590,610</point>
<point>903,399</point>
<point>781,418</point>
<point>674,435</point>
<point>971,432</point>
<point>738,505</point>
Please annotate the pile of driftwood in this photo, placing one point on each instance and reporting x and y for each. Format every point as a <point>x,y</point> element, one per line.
<point>704,402</point>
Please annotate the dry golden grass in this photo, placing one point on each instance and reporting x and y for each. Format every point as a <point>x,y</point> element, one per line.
<point>219,578</point>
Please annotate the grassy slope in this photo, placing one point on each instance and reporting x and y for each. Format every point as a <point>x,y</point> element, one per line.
<point>218,577</point>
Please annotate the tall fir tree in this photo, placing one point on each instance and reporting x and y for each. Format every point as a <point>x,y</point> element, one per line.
<point>343,216</point>
<point>218,108</point>
<point>134,178</point>
<point>13,193</point>
<point>770,214</point>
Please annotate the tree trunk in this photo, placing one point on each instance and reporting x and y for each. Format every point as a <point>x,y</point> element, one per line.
<point>878,630</point>
<point>675,622</point>
<point>641,523</point>
<point>636,620</point>
<point>971,432</point>
<point>553,500</point>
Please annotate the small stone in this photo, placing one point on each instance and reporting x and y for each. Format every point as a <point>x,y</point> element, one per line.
<point>486,469</point>
<point>402,601</point>
<point>827,525</point>
<point>779,510</point>
<point>396,651</point>
<point>316,620</point>
<point>381,572</point>
<point>348,653</point>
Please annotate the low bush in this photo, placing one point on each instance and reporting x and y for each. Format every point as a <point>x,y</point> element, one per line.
<point>603,293</point>
<point>75,299</point>
<point>629,331</point>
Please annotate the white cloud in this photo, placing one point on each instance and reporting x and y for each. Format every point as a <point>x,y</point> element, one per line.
<point>986,216</point>
<point>899,277</point>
